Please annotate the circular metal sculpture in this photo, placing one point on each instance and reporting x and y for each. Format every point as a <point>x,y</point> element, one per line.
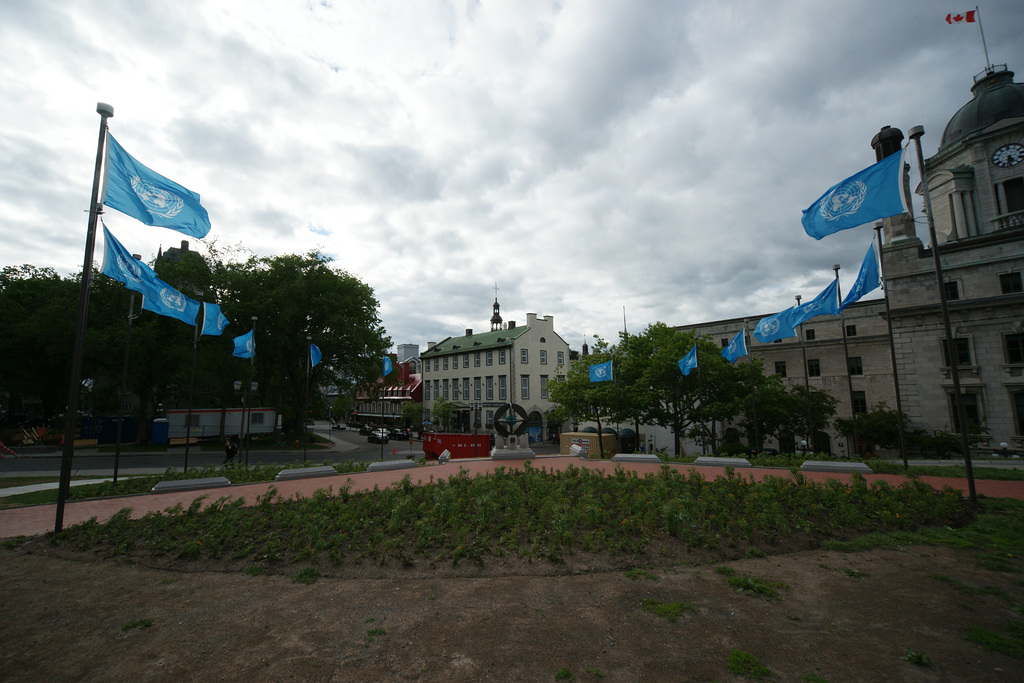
<point>510,419</point>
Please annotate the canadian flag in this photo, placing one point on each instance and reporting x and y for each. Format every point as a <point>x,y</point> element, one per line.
<point>958,18</point>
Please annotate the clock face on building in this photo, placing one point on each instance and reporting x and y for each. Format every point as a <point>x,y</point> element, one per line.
<point>1008,155</point>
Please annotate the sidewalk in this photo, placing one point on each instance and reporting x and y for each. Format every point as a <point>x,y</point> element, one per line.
<point>39,519</point>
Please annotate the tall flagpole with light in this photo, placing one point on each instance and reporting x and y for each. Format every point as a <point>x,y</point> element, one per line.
<point>74,385</point>
<point>248,395</point>
<point>892,348</point>
<point>915,134</point>
<point>846,355</point>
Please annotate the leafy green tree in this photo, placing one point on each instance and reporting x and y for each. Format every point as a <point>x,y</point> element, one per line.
<point>412,414</point>
<point>879,426</point>
<point>443,411</point>
<point>581,400</point>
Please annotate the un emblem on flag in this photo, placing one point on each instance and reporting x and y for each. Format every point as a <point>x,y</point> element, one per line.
<point>157,201</point>
<point>173,299</point>
<point>844,200</point>
<point>769,326</point>
<point>131,271</point>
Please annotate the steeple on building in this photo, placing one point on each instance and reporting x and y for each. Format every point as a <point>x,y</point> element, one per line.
<point>496,317</point>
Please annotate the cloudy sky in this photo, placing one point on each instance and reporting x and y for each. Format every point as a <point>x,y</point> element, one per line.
<point>588,156</point>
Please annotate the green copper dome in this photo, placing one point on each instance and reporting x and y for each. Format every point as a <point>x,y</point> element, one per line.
<point>996,97</point>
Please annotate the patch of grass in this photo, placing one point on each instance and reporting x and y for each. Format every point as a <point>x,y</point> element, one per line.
<point>812,678</point>
<point>564,674</point>
<point>1010,645</point>
<point>667,610</point>
<point>753,552</point>
<point>855,573</point>
<point>741,663</point>
<point>725,571</point>
<point>595,672</point>
<point>639,573</point>
<point>375,633</point>
<point>306,575</point>
<point>917,657</point>
<point>137,623</point>
<point>257,570</point>
<point>756,585</point>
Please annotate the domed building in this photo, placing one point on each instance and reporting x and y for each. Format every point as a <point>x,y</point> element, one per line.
<point>976,185</point>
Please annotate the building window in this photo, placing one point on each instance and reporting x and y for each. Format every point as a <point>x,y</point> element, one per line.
<point>952,291</point>
<point>543,357</point>
<point>809,334</point>
<point>437,388</point>
<point>543,386</point>
<point>502,388</point>
<point>254,418</point>
<point>426,414</point>
<point>856,365</point>
<point>972,407</point>
<point>1010,195</point>
<point>1010,283</point>
<point>489,388</point>
<point>444,388</point>
<point>436,364</point>
<point>851,330</point>
<point>724,341</point>
<point>465,388</point>
<point>465,360</point>
<point>476,359</point>
<point>561,357</point>
<point>476,388</point>
<point>489,360</point>
<point>489,416</point>
<point>860,403</point>
<point>963,352</point>
<point>524,356</point>
<point>524,390</point>
<point>1018,406</point>
<point>426,391</point>
<point>501,356</point>
<point>444,363</point>
<point>813,367</point>
<point>455,389</point>
<point>1014,347</point>
<point>780,368</point>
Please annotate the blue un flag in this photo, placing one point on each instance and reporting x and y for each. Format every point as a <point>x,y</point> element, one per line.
<point>826,303</point>
<point>214,321</point>
<point>689,361</point>
<point>602,372</point>
<point>144,194</point>
<point>736,349</point>
<point>868,196</point>
<point>314,355</point>
<point>778,326</point>
<point>125,268</point>
<point>386,366</point>
<point>245,345</point>
<point>867,278</point>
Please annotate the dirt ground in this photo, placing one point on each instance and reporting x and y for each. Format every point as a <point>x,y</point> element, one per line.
<point>840,617</point>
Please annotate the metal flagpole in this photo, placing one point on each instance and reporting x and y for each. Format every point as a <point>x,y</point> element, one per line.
<point>124,377</point>
<point>892,349</point>
<point>200,321</point>
<point>74,385</point>
<point>846,353</point>
<point>988,62</point>
<point>305,402</point>
<point>807,382</point>
<point>915,134</point>
<point>700,395</point>
<point>248,398</point>
<point>753,390</point>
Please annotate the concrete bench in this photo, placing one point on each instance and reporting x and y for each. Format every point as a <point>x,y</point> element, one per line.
<point>391,465</point>
<point>636,457</point>
<point>190,484</point>
<point>305,472</point>
<point>714,461</point>
<point>832,466</point>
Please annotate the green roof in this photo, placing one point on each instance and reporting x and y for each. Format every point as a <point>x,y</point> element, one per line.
<point>476,342</point>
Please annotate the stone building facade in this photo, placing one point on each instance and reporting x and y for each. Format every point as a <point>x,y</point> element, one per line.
<point>976,185</point>
<point>480,372</point>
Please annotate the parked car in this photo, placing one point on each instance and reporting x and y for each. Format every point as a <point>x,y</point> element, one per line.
<point>399,434</point>
<point>378,436</point>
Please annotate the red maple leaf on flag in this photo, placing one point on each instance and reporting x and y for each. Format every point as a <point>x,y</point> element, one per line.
<point>966,17</point>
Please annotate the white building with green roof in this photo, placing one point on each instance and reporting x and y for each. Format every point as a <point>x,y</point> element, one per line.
<point>479,373</point>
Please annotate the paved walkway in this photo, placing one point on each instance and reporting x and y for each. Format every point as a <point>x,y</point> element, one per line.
<point>39,519</point>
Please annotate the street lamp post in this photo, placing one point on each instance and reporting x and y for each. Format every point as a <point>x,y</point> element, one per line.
<point>475,407</point>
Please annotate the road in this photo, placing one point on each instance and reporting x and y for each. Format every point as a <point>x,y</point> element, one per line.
<point>348,446</point>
